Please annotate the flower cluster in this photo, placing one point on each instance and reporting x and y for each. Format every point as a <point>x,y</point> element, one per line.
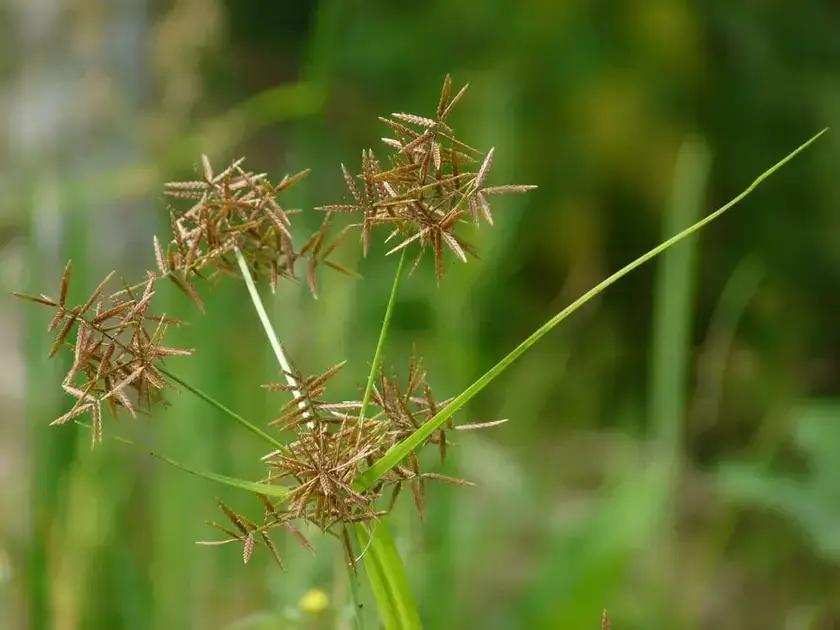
<point>335,442</point>
<point>117,350</point>
<point>234,210</point>
<point>429,187</point>
<point>232,222</point>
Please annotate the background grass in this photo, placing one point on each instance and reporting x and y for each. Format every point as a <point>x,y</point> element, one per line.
<point>592,101</point>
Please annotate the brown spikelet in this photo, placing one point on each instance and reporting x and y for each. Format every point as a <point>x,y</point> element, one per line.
<point>273,549</point>
<point>64,283</point>
<point>74,413</point>
<point>95,425</point>
<point>479,425</point>
<point>454,102</point>
<point>301,539</point>
<point>159,257</point>
<point>97,292</point>
<point>485,169</point>
<point>290,180</point>
<point>452,481</point>
<point>510,188</point>
<point>208,170</point>
<point>62,335</point>
<point>414,119</point>
<point>38,299</point>
<point>233,517</point>
<point>444,95</point>
<point>188,289</point>
<point>248,548</point>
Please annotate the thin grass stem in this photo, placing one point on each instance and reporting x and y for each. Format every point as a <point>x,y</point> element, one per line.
<point>384,567</point>
<point>380,344</point>
<point>225,410</point>
<point>355,597</point>
<point>285,366</point>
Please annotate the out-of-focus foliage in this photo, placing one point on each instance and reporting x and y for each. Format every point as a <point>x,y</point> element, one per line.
<point>811,499</point>
<point>581,504</point>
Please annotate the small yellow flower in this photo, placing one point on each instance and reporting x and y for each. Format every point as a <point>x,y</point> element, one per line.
<point>314,601</point>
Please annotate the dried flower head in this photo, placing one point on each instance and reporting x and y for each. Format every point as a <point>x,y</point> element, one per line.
<point>117,349</point>
<point>428,188</point>
<point>402,407</point>
<point>334,445</point>
<point>250,534</point>
<point>230,210</point>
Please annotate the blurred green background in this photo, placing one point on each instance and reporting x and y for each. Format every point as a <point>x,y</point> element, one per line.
<point>673,453</point>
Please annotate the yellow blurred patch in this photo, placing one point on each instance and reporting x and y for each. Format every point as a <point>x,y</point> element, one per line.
<point>314,601</point>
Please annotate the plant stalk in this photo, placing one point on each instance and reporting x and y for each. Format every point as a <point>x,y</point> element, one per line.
<point>229,412</point>
<point>380,344</point>
<point>285,366</point>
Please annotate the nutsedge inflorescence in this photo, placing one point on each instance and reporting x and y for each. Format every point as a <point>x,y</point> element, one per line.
<point>233,222</point>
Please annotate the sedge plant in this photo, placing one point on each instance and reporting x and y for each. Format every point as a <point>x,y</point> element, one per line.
<point>346,462</point>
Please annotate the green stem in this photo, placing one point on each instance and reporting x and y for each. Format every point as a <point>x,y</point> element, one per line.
<point>383,333</point>
<point>393,568</point>
<point>229,412</point>
<point>383,566</point>
<point>399,451</point>
<point>285,366</point>
<point>355,597</point>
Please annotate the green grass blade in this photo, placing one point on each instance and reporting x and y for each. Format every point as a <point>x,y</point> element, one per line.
<point>271,335</point>
<point>270,490</point>
<point>355,597</point>
<point>387,577</point>
<point>399,451</point>
<point>242,484</point>
<point>673,301</point>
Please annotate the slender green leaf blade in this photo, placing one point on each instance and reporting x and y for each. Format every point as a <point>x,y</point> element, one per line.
<point>225,410</point>
<point>267,489</point>
<point>674,300</point>
<point>387,577</point>
<point>399,451</point>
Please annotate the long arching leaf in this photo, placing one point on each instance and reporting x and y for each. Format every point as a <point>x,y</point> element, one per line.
<point>400,451</point>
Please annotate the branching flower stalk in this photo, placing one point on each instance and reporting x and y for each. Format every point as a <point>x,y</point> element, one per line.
<point>346,462</point>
